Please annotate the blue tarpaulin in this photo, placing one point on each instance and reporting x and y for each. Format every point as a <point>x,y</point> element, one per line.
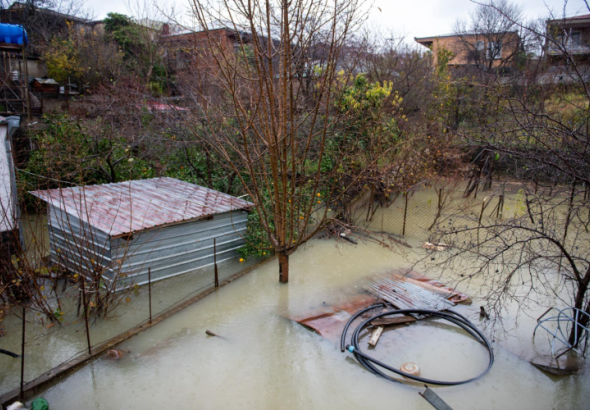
<point>13,34</point>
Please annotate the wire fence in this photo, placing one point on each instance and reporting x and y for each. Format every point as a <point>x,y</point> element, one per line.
<point>416,214</point>
<point>410,216</point>
<point>47,345</point>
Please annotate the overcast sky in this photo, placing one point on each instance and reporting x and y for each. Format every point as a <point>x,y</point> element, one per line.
<point>410,18</point>
<point>421,18</point>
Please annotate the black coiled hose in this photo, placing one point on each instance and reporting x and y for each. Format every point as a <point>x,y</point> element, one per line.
<point>371,364</point>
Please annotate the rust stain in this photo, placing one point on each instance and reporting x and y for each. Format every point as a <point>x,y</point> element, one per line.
<point>133,206</point>
<point>410,289</point>
<point>328,321</point>
<point>433,285</point>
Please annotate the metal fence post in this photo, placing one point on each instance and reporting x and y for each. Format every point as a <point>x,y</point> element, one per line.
<point>215,262</point>
<point>150,291</point>
<point>405,214</point>
<point>500,206</point>
<point>483,207</point>
<point>22,359</point>
<point>85,314</point>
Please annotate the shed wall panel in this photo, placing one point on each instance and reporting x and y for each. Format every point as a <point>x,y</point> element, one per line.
<point>178,249</point>
<point>75,244</point>
<point>6,194</point>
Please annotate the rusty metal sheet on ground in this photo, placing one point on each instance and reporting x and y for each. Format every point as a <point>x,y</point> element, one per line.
<point>433,285</point>
<point>404,294</point>
<point>328,321</point>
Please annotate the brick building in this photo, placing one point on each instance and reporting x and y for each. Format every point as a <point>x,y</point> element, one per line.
<point>482,50</point>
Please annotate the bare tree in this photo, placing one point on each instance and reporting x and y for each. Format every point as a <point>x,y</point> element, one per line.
<point>385,57</point>
<point>492,39</point>
<point>539,139</point>
<point>273,134</point>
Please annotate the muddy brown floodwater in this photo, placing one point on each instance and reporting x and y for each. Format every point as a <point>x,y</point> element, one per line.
<point>265,361</point>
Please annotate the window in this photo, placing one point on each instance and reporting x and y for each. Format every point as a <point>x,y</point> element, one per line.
<point>479,45</point>
<point>576,39</point>
<point>494,50</point>
<point>570,39</point>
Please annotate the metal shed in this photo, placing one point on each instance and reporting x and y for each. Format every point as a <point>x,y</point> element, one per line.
<point>9,212</point>
<point>120,230</point>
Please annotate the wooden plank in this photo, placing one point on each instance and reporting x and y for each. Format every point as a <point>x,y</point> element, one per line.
<point>34,386</point>
<point>399,320</point>
<point>376,335</point>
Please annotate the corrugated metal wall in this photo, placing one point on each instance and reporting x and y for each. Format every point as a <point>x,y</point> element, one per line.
<point>168,251</point>
<point>75,244</point>
<point>181,248</point>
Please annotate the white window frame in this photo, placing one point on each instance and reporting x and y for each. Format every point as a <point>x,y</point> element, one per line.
<point>497,45</point>
<point>578,43</point>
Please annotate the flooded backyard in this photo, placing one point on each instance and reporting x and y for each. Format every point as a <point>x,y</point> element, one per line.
<point>267,361</point>
<point>264,360</point>
<point>269,205</point>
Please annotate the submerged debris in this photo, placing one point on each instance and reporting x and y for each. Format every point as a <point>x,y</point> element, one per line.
<point>8,353</point>
<point>556,371</point>
<point>39,404</point>
<point>345,236</point>
<point>449,293</point>
<point>410,368</point>
<point>374,365</point>
<point>340,232</point>
<point>115,354</point>
<point>377,332</point>
<point>439,247</point>
<point>400,320</point>
<point>405,294</point>
<point>329,320</point>
<point>17,405</point>
<point>431,397</point>
<point>558,324</point>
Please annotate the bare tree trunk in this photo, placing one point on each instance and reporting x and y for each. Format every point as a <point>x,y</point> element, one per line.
<point>208,163</point>
<point>269,141</point>
<point>579,304</point>
<point>283,267</point>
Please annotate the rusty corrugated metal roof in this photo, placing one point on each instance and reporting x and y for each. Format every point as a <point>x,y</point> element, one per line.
<point>405,294</point>
<point>134,206</point>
